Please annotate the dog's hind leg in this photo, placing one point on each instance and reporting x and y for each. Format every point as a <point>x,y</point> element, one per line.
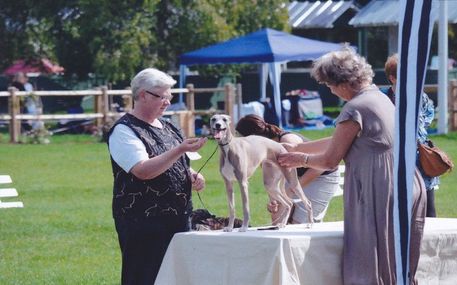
<point>231,204</point>
<point>294,185</point>
<point>281,217</point>
<point>274,184</point>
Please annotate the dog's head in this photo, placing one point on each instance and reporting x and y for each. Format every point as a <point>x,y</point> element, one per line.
<point>220,127</point>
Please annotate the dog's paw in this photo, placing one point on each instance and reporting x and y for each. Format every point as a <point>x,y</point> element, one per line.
<point>243,229</point>
<point>228,229</point>
<point>281,225</point>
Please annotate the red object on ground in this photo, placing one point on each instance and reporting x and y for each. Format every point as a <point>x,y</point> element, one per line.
<point>43,65</point>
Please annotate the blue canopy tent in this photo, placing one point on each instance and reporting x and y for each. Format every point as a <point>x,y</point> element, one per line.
<point>267,47</point>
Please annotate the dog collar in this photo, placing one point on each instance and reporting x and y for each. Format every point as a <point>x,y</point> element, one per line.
<point>224,144</point>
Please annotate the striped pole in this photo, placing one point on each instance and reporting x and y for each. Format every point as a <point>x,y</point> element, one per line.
<point>415,30</point>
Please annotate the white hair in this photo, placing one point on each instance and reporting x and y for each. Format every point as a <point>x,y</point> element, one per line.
<point>148,79</point>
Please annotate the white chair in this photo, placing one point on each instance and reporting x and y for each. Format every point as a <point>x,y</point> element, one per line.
<point>8,192</point>
<point>5,179</point>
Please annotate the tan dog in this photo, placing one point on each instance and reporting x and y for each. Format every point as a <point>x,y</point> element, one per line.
<point>240,157</point>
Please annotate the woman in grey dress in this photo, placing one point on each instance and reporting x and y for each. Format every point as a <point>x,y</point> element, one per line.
<point>364,139</point>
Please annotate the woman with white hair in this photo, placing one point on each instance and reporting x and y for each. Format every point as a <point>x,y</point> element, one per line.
<point>152,178</point>
<point>364,139</point>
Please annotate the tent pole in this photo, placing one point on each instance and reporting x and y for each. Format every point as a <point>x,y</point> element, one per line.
<point>182,80</point>
<point>263,70</point>
<point>276,81</point>
<point>443,69</point>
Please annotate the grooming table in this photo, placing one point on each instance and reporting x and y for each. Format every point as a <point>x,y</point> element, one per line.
<point>292,255</point>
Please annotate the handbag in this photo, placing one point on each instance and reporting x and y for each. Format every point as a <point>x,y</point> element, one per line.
<point>434,161</point>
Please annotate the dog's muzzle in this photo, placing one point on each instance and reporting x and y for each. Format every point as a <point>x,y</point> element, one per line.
<point>218,132</point>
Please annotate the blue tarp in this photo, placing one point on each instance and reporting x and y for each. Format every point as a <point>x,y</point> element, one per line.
<point>265,46</point>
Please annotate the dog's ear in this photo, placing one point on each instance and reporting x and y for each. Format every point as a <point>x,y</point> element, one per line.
<point>227,118</point>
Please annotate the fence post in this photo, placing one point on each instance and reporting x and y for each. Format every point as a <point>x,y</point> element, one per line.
<point>190,118</point>
<point>106,105</point>
<point>14,109</point>
<point>452,104</point>
<point>98,109</point>
<point>239,100</point>
<point>229,98</point>
<point>128,102</point>
<point>190,97</point>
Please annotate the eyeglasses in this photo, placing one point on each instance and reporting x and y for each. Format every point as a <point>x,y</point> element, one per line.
<point>162,97</point>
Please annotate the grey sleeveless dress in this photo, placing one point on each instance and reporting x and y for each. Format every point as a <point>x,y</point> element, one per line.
<point>369,254</point>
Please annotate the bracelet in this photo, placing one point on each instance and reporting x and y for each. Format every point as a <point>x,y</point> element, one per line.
<point>306,159</point>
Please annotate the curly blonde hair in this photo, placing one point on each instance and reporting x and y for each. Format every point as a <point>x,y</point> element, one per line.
<point>344,66</point>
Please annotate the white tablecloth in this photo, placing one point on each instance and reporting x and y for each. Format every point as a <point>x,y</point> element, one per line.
<point>292,255</point>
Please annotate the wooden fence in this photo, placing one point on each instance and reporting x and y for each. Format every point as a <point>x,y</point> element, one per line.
<point>185,118</point>
<point>103,112</point>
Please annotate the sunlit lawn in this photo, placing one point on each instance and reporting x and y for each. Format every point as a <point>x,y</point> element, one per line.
<point>65,233</point>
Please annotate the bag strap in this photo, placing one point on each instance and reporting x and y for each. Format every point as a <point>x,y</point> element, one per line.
<point>427,143</point>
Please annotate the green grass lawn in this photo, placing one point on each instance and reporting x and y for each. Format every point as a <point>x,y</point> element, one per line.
<point>65,233</point>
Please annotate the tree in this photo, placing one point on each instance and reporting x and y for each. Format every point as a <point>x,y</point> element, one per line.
<point>24,31</point>
<point>117,38</point>
<point>110,38</point>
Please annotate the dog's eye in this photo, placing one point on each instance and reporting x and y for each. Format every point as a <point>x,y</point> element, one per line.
<point>224,119</point>
<point>213,119</point>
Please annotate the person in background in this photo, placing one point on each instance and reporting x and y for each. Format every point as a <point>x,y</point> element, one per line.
<point>426,116</point>
<point>33,105</point>
<point>152,178</point>
<point>27,85</point>
<point>364,139</point>
<point>19,81</point>
<point>319,186</point>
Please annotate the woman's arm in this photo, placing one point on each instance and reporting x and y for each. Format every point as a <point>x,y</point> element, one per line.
<point>291,138</point>
<point>310,174</point>
<point>316,146</point>
<point>337,147</point>
<point>154,166</point>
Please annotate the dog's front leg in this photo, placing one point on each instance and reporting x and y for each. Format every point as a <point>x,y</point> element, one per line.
<point>231,204</point>
<point>245,199</point>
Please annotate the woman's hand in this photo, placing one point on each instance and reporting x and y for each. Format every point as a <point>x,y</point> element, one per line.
<point>292,159</point>
<point>273,206</point>
<point>198,181</point>
<point>192,144</point>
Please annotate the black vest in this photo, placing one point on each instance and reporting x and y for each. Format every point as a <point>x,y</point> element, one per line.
<point>168,194</point>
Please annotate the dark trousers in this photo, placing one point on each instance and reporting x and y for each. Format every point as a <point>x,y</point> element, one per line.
<point>431,212</point>
<point>143,245</point>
